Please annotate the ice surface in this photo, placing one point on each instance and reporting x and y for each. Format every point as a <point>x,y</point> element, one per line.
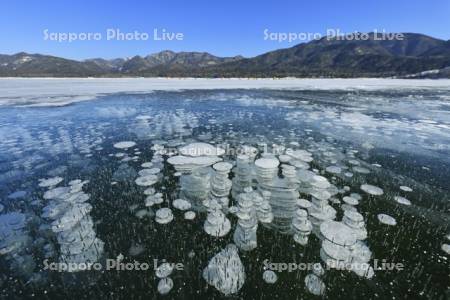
<point>63,91</point>
<point>310,163</point>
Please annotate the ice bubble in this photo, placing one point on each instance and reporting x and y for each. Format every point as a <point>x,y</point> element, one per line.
<point>189,215</point>
<point>301,226</point>
<point>356,196</point>
<point>347,207</point>
<point>314,284</point>
<point>318,269</point>
<point>372,190</point>
<point>49,182</point>
<point>75,181</point>
<point>187,164</point>
<point>164,270</point>
<point>220,184</point>
<point>146,180</point>
<point>320,194</point>
<point>150,200</point>
<point>225,271</point>
<point>337,233</point>
<point>120,257</point>
<point>181,204</point>
<point>446,248</point>
<point>402,200</point>
<point>216,224</point>
<point>320,182</point>
<point>136,249</point>
<point>140,214</point>
<point>386,219</point>
<point>333,169</point>
<point>17,195</point>
<point>284,158</point>
<point>242,175</point>
<point>222,167</point>
<point>350,200</point>
<point>301,155</point>
<point>147,165</point>
<point>361,170</point>
<point>149,191</point>
<point>363,270</point>
<point>165,285</point>
<point>299,164</point>
<point>146,172</point>
<point>270,276</point>
<point>124,145</point>
<point>406,188</point>
<point>267,163</point>
<point>155,199</point>
<point>303,203</point>
<point>354,162</point>
<point>164,215</point>
<point>56,193</point>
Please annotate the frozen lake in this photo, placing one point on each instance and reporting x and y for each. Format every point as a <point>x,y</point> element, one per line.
<point>96,180</point>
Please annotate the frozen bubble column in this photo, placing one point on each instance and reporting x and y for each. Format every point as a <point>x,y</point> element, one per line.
<point>245,233</point>
<point>355,221</point>
<point>320,210</point>
<point>15,244</point>
<point>216,223</point>
<point>283,191</point>
<point>313,281</point>
<point>220,184</point>
<point>360,252</point>
<point>263,208</point>
<point>340,247</point>
<point>72,225</point>
<point>196,187</point>
<point>301,227</point>
<point>242,175</point>
<point>194,162</point>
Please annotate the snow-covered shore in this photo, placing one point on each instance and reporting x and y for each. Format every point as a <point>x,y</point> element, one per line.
<point>63,91</point>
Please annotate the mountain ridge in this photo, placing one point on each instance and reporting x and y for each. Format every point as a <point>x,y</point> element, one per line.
<point>325,57</point>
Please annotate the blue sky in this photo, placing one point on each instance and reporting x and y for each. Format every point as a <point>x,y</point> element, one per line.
<point>223,28</point>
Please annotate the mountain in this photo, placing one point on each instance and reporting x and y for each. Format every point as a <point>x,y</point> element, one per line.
<point>158,64</point>
<point>443,50</point>
<point>35,65</point>
<point>168,61</point>
<point>346,58</point>
<point>111,65</point>
<point>326,57</point>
